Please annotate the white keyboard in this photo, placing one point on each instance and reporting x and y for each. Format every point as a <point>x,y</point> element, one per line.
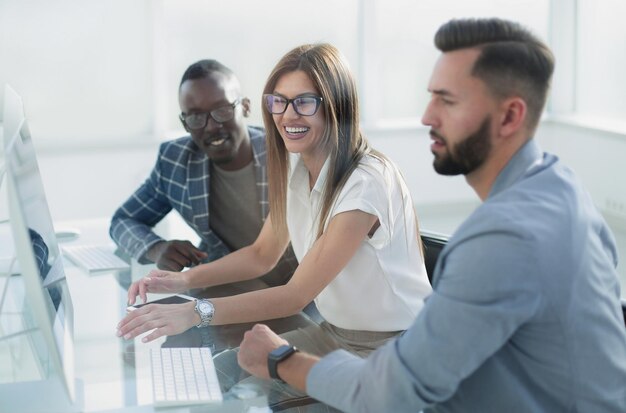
<point>184,375</point>
<point>94,258</point>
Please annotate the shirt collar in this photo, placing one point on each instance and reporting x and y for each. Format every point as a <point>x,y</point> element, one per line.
<point>300,175</point>
<point>529,156</point>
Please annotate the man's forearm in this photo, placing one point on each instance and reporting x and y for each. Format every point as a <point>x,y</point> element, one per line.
<point>295,369</point>
<point>134,237</point>
<point>153,252</point>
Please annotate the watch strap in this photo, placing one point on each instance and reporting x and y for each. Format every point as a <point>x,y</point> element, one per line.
<point>276,356</point>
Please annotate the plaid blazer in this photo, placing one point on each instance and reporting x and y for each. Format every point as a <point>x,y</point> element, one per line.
<point>180,180</point>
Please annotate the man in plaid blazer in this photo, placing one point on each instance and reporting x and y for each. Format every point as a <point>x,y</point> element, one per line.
<point>215,179</point>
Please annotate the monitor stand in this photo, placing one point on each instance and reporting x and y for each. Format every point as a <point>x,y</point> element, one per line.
<point>7,267</point>
<point>42,396</point>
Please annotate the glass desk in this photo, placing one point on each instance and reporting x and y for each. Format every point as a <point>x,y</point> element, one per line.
<point>114,374</point>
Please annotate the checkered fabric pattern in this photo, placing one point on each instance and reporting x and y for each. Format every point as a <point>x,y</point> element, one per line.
<point>180,180</point>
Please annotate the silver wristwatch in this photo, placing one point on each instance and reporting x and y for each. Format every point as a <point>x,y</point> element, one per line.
<point>205,310</point>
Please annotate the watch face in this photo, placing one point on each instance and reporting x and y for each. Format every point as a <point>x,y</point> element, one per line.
<point>205,307</point>
<point>282,351</point>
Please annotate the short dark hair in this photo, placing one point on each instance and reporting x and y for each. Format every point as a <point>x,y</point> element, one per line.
<point>512,60</point>
<point>203,69</point>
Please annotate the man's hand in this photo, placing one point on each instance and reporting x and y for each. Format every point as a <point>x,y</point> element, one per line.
<point>157,281</point>
<point>255,348</point>
<point>175,255</point>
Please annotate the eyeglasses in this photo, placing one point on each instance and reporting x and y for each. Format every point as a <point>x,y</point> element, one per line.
<point>303,105</point>
<point>199,120</point>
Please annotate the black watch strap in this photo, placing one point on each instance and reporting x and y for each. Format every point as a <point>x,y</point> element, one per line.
<point>276,356</point>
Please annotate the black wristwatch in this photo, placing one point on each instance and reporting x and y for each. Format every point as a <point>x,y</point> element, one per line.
<point>276,356</point>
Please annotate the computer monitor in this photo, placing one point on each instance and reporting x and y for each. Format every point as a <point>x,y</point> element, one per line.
<point>13,116</point>
<point>2,168</point>
<point>12,120</point>
<point>2,171</point>
<point>47,306</point>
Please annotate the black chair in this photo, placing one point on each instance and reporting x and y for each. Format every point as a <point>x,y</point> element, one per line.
<point>433,244</point>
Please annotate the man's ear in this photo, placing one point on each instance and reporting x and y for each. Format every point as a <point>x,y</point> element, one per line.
<point>245,104</point>
<point>513,116</point>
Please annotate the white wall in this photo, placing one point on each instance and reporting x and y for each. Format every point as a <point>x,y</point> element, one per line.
<point>598,158</point>
<point>91,184</point>
<point>83,68</point>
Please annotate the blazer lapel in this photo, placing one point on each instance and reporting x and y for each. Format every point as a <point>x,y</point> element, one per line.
<point>198,178</point>
<point>260,173</point>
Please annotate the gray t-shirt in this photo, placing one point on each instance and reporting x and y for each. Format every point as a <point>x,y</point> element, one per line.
<point>235,214</point>
<point>234,211</point>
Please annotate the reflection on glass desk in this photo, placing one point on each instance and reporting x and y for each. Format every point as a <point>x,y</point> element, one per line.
<point>115,374</point>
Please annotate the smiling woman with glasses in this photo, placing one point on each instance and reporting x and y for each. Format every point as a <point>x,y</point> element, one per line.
<point>199,120</point>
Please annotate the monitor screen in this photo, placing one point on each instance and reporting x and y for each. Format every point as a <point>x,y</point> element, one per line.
<point>47,306</point>
<point>12,118</point>
<point>2,169</point>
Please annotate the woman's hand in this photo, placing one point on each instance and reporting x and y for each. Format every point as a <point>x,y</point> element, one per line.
<point>157,281</point>
<point>164,319</point>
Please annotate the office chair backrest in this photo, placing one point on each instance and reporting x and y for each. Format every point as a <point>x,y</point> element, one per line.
<point>433,244</point>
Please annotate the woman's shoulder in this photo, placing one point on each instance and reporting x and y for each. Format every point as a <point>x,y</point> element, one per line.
<point>373,175</point>
<point>375,167</point>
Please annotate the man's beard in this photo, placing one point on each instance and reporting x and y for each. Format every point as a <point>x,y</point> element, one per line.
<point>467,155</point>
